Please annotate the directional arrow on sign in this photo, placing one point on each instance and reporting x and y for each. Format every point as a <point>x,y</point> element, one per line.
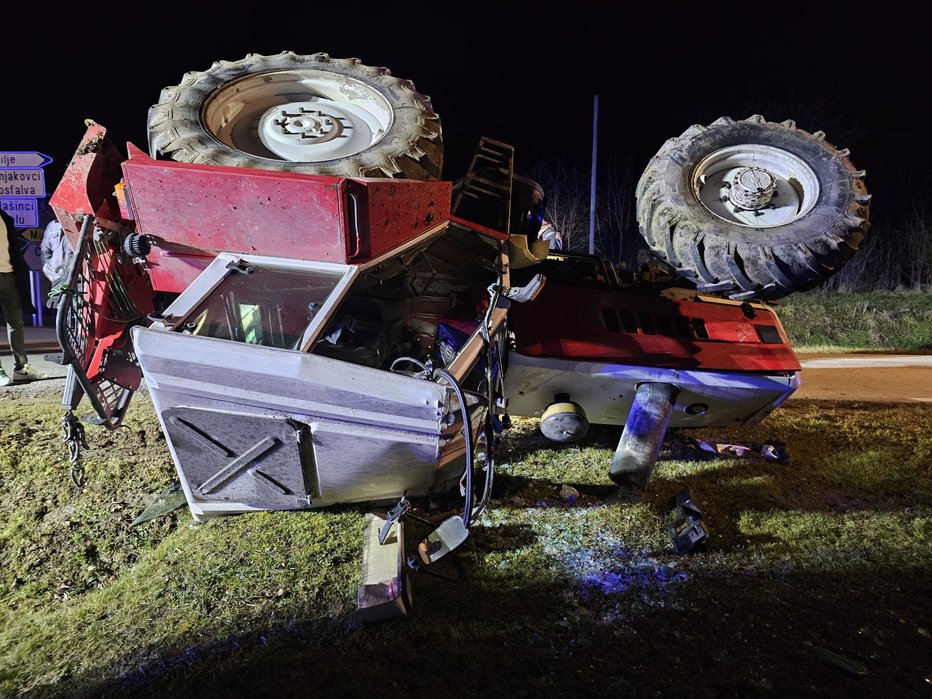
<point>23,158</point>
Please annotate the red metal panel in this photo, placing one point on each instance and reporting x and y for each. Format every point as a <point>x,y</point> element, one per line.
<point>485,230</point>
<point>570,323</point>
<point>87,185</point>
<point>173,271</point>
<point>195,211</point>
<point>392,212</point>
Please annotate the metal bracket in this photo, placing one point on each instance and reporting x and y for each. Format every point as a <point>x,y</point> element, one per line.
<point>449,535</point>
<point>394,514</point>
<point>528,292</point>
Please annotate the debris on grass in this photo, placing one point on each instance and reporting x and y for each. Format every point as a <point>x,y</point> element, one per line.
<point>569,493</point>
<point>167,501</point>
<point>687,531</point>
<point>745,450</point>
<point>847,664</point>
<point>558,591</point>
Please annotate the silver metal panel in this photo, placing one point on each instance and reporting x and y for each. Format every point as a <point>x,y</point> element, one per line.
<point>606,391</point>
<point>358,464</point>
<point>373,434</point>
<point>286,381</point>
<point>259,461</point>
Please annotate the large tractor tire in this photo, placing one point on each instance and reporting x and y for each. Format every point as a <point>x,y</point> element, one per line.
<point>752,208</point>
<point>299,113</point>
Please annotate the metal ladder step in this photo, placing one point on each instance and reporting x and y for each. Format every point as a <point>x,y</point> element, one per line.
<point>489,180</point>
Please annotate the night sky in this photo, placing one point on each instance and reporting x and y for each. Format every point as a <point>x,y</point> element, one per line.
<point>520,72</point>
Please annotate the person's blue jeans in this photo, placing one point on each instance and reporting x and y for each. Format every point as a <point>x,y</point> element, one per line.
<point>12,309</point>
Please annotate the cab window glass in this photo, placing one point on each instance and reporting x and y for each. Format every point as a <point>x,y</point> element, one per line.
<point>262,306</point>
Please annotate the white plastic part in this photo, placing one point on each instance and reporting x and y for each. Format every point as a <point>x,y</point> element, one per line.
<point>450,534</point>
<point>317,130</point>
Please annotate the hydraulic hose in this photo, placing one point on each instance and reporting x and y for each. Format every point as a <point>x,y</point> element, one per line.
<point>467,433</point>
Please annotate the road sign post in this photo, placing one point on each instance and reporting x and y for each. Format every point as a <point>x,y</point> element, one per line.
<point>23,158</point>
<point>22,184</point>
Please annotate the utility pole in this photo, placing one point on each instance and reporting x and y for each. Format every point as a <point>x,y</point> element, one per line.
<point>595,140</point>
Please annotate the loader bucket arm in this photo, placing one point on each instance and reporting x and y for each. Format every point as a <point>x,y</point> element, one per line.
<point>107,292</point>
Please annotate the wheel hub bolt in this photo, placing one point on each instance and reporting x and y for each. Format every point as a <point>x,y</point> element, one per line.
<point>306,123</point>
<point>752,188</point>
<point>289,130</point>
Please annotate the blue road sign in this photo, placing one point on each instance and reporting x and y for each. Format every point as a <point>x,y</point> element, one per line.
<point>23,158</point>
<point>24,211</point>
<point>23,182</point>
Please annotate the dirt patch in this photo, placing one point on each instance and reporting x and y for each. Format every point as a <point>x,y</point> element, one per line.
<point>872,379</point>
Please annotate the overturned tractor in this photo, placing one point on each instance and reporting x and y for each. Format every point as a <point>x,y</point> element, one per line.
<point>320,318</point>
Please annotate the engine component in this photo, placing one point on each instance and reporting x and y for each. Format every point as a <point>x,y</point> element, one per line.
<point>564,421</point>
<point>636,454</point>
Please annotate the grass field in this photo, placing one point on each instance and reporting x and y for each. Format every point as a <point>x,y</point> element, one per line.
<point>816,580</point>
<point>871,320</point>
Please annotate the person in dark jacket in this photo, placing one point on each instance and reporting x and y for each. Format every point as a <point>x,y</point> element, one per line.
<point>13,272</point>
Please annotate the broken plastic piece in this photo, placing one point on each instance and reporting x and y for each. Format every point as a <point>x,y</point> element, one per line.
<point>847,664</point>
<point>769,452</point>
<point>528,292</point>
<point>687,531</point>
<point>450,534</point>
<point>168,500</point>
<point>685,506</point>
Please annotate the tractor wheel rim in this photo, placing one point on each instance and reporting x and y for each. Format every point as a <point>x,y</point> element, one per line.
<point>298,115</point>
<point>755,186</point>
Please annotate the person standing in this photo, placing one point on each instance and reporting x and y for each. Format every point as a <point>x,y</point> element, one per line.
<point>549,233</point>
<point>12,268</point>
<point>57,256</point>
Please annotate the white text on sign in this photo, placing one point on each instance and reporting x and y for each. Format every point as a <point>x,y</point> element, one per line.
<point>22,183</point>
<point>24,212</point>
<point>23,158</point>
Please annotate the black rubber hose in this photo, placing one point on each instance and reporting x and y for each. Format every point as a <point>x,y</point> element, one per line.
<point>467,432</point>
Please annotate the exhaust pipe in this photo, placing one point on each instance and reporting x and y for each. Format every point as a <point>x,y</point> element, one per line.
<point>637,451</point>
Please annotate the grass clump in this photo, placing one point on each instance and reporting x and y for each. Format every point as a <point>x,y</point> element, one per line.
<point>84,591</point>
